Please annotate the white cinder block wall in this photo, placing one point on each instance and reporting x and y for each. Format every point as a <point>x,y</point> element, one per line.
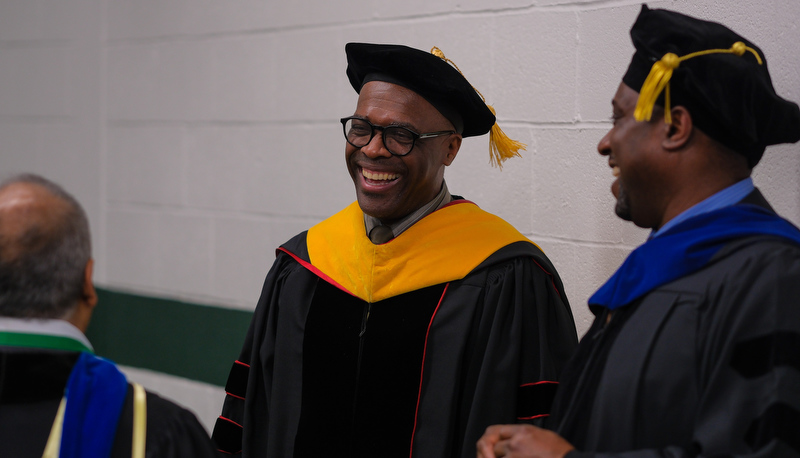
<point>202,134</point>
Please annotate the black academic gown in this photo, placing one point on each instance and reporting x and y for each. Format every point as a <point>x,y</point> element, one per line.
<point>32,384</point>
<point>707,365</point>
<point>420,374</point>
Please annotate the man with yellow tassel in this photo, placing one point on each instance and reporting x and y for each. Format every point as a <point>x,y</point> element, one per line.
<point>695,349</point>
<point>408,322</point>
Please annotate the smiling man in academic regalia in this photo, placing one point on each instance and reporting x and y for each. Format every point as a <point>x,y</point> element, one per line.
<point>407,323</point>
<point>695,349</point>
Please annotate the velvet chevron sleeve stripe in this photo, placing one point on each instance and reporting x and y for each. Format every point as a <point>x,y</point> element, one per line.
<point>535,399</point>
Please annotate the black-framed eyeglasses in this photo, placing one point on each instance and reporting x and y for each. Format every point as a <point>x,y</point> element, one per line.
<point>398,140</point>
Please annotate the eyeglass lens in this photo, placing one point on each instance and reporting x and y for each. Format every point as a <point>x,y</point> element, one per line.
<point>398,140</point>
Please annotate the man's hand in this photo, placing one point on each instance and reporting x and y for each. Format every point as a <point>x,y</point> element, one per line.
<point>521,441</point>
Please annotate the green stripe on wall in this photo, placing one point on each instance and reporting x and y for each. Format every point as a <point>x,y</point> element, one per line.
<point>193,341</point>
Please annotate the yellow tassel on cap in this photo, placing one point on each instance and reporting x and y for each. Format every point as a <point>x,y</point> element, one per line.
<point>656,81</point>
<point>501,147</point>
<point>661,72</point>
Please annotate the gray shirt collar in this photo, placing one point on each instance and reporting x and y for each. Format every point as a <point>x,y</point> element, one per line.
<point>441,199</point>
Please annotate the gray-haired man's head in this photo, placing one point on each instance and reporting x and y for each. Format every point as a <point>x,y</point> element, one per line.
<point>44,249</point>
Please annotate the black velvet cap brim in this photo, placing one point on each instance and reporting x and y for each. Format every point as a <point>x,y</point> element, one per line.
<point>730,98</point>
<point>427,75</point>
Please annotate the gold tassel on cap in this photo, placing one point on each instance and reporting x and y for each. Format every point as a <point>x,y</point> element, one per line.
<point>661,72</point>
<point>501,147</point>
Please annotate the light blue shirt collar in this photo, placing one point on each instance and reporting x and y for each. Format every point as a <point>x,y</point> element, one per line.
<point>727,197</point>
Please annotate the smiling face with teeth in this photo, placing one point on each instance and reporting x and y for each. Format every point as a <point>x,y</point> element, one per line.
<point>390,187</point>
<point>638,162</point>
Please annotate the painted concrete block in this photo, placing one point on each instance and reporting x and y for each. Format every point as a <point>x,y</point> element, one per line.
<point>777,178</point>
<point>324,167</point>
<point>247,168</point>
<point>214,17</point>
<point>185,253</point>
<point>132,249</point>
<point>504,192</point>
<point>19,148</point>
<point>216,167</point>
<point>283,229</point>
<point>20,20</point>
<point>34,81</point>
<point>67,156</point>
<point>387,32</point>
<point>573,199</point>
<point>604,52</point>
<point>250,169</point>
<point>305,13</point>
<point>145,164</point>
<point>575,3</point>
<point>243,75</point>
<point>482,5</point>
<point>388,9</point>
<point>534,66</point>
<point>55,151</point>
<point>243,253</point>
<point>132,81</point>
<point>185,85</point>
<point>275,180</point>
<point>308,65</point>
<point>145,18</point>
<point>76,19</point>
